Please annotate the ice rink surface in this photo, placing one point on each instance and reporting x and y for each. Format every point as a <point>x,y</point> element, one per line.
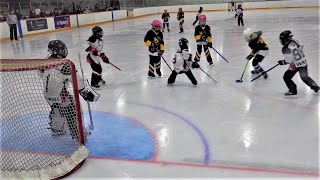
<point>212,130</point>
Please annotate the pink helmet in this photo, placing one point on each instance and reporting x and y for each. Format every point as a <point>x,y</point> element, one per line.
<point>165,10</point>
<point>156,25</point>
<point>180,8</point>
<point>202,20</point>
<point>202,17</point>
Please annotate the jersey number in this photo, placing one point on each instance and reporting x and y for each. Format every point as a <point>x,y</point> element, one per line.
<point>297,54</point>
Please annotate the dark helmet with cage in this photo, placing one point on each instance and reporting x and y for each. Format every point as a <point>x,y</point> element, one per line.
<point>184,43</point>
<point>57,49</point>
<point>285,37</point>
<point>97,32</point>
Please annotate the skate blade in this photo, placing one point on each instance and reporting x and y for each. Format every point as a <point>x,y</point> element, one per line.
<point>291,97</point>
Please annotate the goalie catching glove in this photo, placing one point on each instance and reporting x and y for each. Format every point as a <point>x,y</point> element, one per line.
<point>88,93</point>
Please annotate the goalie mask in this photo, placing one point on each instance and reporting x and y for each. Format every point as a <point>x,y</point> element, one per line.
<point>57,49</point>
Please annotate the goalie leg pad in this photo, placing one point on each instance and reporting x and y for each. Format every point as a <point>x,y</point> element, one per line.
<point>57,120</point>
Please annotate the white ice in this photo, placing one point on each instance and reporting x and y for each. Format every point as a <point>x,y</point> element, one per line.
<point>246,125</point>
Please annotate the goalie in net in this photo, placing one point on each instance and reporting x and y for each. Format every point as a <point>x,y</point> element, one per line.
<point>57,95</point>
<point>35,93</point>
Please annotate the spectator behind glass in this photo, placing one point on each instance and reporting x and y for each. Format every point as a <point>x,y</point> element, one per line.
<point>43,13</point>
<point>96,8</point>
<point>51,12</point>
<point>18,14</point>
<point>32,13</point>
<point>117,5</point>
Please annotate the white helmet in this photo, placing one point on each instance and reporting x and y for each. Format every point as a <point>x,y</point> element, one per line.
<point>247,34</point>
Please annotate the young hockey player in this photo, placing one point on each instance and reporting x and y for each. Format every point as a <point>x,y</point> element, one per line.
<point>96,53</point>
<point>165,18</point>
<point>239,14</point>
<point>293,55</point>
<point>202,35</point>
<point>56,92</point>
<point>197,17</point>
<point>154,40</point>
<point>180,17</point>
<point>259,50</point>
<point>181,63</point>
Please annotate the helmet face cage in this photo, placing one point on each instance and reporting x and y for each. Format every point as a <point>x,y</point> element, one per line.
<point>202,20</point>
<point>165,10</point>
<point>97,32</point>
<point>285,37</point>
<point>58,49</point>
<point>156,25</point>
<point>184,43</point>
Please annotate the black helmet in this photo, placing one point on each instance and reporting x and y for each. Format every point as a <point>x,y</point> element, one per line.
<point>57,49</point>
<point>285,37</point>
<point>97,32</point>
<point>184,43</point>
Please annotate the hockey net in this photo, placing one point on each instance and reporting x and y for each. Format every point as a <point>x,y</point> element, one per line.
<point>41,134</point>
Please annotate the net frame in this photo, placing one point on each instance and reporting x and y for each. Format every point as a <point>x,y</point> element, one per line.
<point>76,159</point>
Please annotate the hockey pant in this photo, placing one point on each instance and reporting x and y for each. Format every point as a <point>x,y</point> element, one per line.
<point>199,51</point>
<point>181,26</point>
<point>189,74</point>
<point>154,63</point>
<point>96,71</point>
<point>303,71</point>
<point>240,20</point>
<point>255,63</point>
<point>60,115</point>
<point>164,26</point>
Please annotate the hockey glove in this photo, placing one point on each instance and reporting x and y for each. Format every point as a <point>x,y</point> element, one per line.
<point>210,44</point>
<point>87,95</point>
<point>195,65</point>
<point>250,56</point>
<point>282,62</point>
<point>104,58</point>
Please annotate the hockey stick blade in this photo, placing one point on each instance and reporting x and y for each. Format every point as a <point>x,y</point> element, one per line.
<point>244,70</point>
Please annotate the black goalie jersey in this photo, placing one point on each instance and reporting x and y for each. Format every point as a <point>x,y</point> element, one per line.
<point>202,35</point>
<point>154,40</point>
